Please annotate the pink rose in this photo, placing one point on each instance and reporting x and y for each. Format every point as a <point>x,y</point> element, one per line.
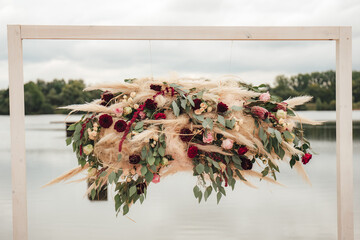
<point>227,144</point>
<point>119,111</point>
<point>156,178</point>
<point>265,97</point>
<point>209,138</point>
<point>142,115</point>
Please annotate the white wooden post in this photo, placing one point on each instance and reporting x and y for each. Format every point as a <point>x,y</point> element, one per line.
<point>344,141</point>
<point>342,35</point>
<point>17,129</point>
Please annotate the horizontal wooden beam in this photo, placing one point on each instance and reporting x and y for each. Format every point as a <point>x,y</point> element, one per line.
<point>177,33</point>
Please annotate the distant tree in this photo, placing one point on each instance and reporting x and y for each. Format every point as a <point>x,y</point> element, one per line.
<point>34,98</point>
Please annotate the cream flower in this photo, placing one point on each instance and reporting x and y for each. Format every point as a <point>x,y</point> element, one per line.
<point>227,144</point>
<point>132,94</point>
<point>136,106</point>
<point>281,114</point>
<point>203,105</point>
<point>127,110</point>
<point>198,111</point>
<point>209,109</point>
<point>88,149</point>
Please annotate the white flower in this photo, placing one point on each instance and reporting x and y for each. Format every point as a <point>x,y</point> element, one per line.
<point>130,100</point>
<point>88,149</point>
<point>125,97</point>
<point>281,114</point>
<point>127,110</point>
<point>132,94</point>
<point>95,125</point>
<point>209,109</point>
<point>281,121</point>
<point>136,106</point>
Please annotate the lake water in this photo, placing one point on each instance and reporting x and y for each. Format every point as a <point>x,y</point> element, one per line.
<point>170,211</point>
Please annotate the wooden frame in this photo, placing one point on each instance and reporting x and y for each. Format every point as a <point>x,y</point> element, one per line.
<point>342,36</point>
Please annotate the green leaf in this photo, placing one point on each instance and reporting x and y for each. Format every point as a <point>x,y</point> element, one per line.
<point>288,136</point>
<point>278,136</point>
<point>207,192</point>
<point>236,108</point>
<point>191,101</point>
<point>236,159</point>
<point>176,108</point>
<point>221,120</point>
<point>200,118</point>
<point>143,170</point>
<point>196,191</point>
<point>125,209</point>
<point>240,175</point>
<point>265,171</point>
<point>142,198</point>
<point>112,177</point>
<point>262,134</point>
<point>200,168</point>
<point>161,151</point>
<point>222,190</point>
<point>290,112</point>
<point>151,160</point>
<point>68,141</point>
<point>218,197</point>
<point>200,196</point>
<point>143,152</point>
<point>139,125</point>
<point>292,162</point>
<point>149,176</point>
<point>281,153</point>
<point>93,193</point>
<point>132,190</point>
<point>230,123</point>
<point>71,127</point>
<point>103,174</point>
<point>183,103</point>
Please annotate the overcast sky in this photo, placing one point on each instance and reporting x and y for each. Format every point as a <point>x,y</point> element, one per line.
<point>255,62</point>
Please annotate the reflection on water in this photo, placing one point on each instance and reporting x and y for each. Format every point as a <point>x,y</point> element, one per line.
<point>297,211</point>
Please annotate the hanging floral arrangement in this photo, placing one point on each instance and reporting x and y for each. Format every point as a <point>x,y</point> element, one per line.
<point>142,130</point>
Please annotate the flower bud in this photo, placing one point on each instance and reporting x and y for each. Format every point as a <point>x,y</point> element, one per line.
<point>127,111</point>
<point>88,149</point>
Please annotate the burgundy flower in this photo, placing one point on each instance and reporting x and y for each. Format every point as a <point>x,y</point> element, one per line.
<point>105,120</point>
<point>120,125</point>
<point>160,116</point>
<point>306,158</point>
<point>246,164</point>
<point>186,135</point>
<point>192,151</point>
<point>150,104</point>
<point>281,106</point>
<point>107,96</point>
<point>197,103</point>
<point>260,112</point>
<point>140,188</point>
<point>134,159</point>
<point>242,150</point>
<point>103,103</point>
<point>155,87</point>
<point>222,107</point>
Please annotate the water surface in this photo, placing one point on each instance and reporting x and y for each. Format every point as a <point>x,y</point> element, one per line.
<point>296,211</point>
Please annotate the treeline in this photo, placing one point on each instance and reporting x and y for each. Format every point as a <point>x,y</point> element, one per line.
<point>45,97</point>
<point>320,85</point>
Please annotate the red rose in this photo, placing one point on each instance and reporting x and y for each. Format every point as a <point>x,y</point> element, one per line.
<point>246,164</point>
<point>134,159</point>
<point>242,150</point>
<point>105,120</point>
<point>107,96</point>
<point>306,158</point>
<point>222,107</point>
<point>160,116</point>
<point>197,103</point>
<point>192,151</point>
<point>186,135</point>
<point>155,87</point>
<point>150,104</point>
<point>120,126</point>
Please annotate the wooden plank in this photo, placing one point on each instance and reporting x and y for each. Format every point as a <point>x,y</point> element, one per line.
<point>344,141</point>
<point>17,129</point>
<point>177,33</point>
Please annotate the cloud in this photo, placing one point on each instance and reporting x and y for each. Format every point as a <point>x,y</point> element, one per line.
<point>113,60</point>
